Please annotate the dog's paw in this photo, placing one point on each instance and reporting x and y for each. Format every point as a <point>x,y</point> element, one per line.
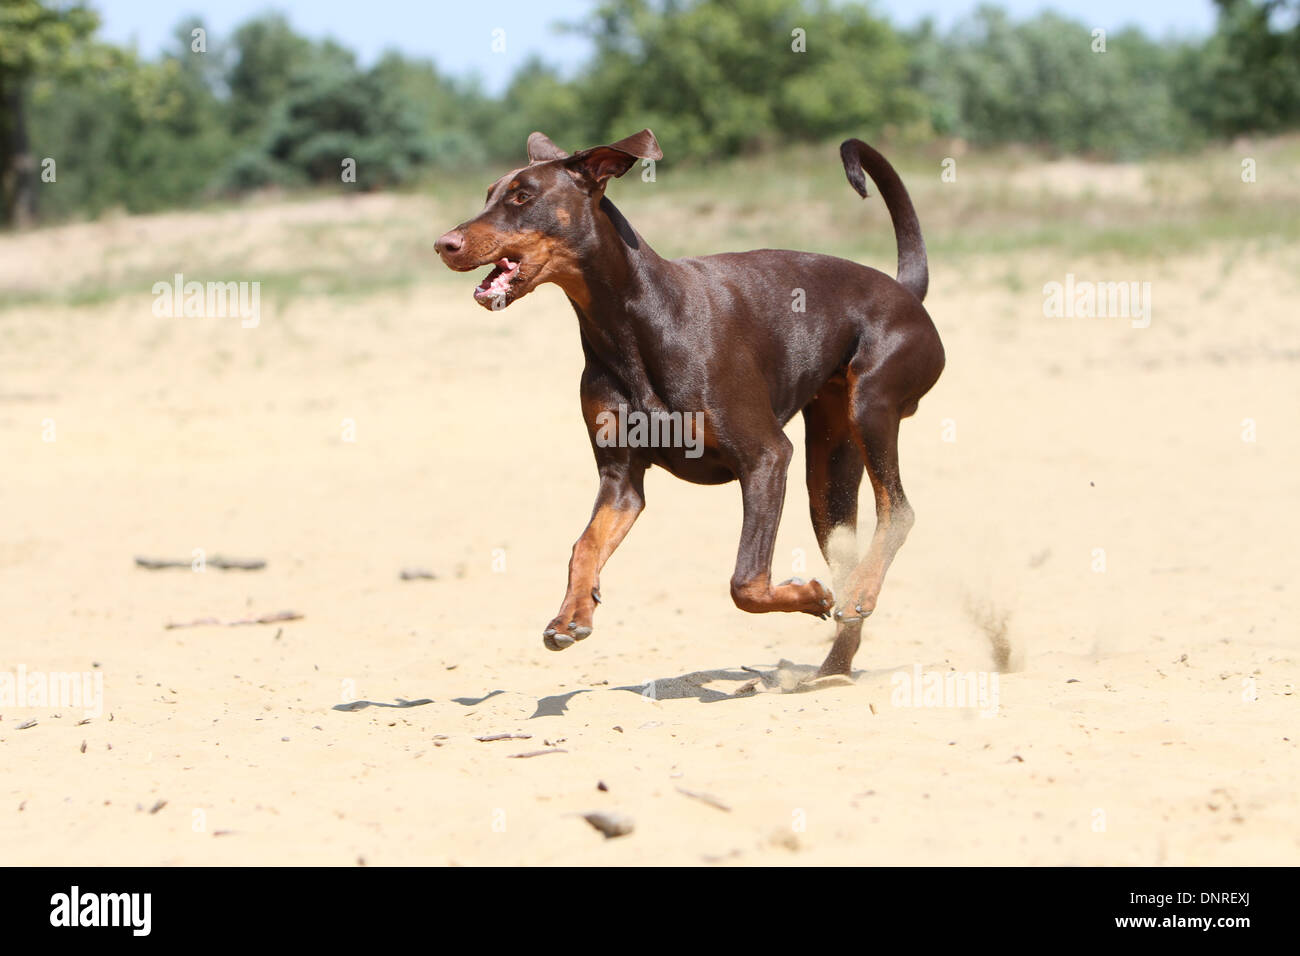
<point>826,601</point>
<point>859,611</point>
<point>559,635</point>
<point>816,597</point>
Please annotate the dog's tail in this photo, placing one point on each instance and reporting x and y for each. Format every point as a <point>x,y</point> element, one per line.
<point>913,271</point>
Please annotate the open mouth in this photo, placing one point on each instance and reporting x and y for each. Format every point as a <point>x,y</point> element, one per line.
<point>496,287</point>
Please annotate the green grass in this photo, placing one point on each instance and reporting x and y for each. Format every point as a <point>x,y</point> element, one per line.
<point>281,287</point>
<point>1004,202</point>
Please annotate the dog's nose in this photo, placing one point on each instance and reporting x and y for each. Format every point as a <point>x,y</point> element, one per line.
<point>450,242</point>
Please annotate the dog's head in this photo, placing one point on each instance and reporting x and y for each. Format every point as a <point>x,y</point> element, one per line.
<point>538,220</point>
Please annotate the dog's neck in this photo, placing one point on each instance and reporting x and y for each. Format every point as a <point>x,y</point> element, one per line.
<point>611,292</point>
<point>612,270</point>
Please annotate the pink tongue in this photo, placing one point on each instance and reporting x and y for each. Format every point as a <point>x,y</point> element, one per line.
<point>499,280</point>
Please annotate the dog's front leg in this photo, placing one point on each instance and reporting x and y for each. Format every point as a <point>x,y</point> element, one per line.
<point>618,502</point>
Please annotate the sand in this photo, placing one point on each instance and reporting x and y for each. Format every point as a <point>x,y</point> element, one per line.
<point>1086,495</point>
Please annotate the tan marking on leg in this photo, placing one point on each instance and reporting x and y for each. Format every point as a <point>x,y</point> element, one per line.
<point>606,530</point>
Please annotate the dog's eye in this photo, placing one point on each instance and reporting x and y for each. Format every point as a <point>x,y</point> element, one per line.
<point>519,197</point>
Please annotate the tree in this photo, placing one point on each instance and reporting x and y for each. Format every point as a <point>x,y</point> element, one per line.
<point>266,54</point>
<point>716,78</point>
<point>332,111</point>
<point>132,133</point>
<point>455,115</point>
<point>1247,77</point>
<point>36,39</point>
<point>1043,81</point>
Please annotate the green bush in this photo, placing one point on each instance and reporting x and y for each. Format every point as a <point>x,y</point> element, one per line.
<point>713,79</point>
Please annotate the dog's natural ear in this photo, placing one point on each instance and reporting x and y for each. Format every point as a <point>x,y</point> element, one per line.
<point>597,165</point>
<point>541,149</point>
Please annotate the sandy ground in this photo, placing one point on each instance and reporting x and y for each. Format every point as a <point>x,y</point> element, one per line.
<point>1150,717</point>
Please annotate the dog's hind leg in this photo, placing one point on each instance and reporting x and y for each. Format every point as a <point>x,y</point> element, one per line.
<point>878,400</point>
<point>762,487</point>
<point>834,471</point>
<point>894,517</point>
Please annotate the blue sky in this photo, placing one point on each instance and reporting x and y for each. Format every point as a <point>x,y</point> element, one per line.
<point>457,35</point>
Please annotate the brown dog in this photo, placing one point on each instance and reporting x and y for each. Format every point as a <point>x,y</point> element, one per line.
<point>721,338</point>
